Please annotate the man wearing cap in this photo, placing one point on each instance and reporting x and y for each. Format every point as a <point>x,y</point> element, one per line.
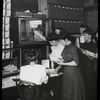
<point>89,50</point>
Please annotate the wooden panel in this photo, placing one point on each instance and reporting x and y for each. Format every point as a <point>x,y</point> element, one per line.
<point>64,12</point>
<point>68,13</point>
<point>92,20</point>
<point>68,26</point>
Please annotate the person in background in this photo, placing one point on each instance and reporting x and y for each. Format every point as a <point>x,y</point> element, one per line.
<point>95,39</point>
<point>55,55</point>
<point>77,41</point>
<point>88,48</point>
<point>95,66</point>
<point>56,31</point>
<point>32,76</point>
<point>59,31</point>
<point>96,43</point>
<point>97,36</point>
<point>56,46</point>
<point>39,34</point>
<point>56,49</point>
<point>88,44</point>
<point>82,28</point>
<point>72,82</point>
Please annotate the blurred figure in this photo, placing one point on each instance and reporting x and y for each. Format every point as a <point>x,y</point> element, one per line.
<point>32,76</point>
<point>72,82</point>
<point>55,55</point>
<point>56,45</point>
<point>95,39</point>
<point>88,45</point>
<point>88,48</point>
<point>82,28</point>
<point>39,34</point>
<point>57,31</point>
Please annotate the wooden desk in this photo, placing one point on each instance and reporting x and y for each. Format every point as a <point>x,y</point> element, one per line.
<point>9,89</point>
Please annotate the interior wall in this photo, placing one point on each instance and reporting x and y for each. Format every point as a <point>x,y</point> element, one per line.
<point>91,20</point>
<point>67,14</point>
<point>91,14</point>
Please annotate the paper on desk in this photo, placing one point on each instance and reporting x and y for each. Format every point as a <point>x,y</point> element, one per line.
<point>54,75</point>
<point>10,68</point>
<point>8,82</point>
<point>45,63</point>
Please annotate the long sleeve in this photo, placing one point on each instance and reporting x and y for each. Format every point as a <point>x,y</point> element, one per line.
<point>44,76</point>
<point>70,54</point>
<point>74,54</point>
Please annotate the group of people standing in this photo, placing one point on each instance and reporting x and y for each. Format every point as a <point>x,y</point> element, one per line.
<point>79,63</point>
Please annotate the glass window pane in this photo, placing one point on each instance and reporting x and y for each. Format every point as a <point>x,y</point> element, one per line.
<point>3,55</point>
<point>7,20</point>
<point>3,27</point>
<point>6,27</point>
<point>2,34</point>
<point>7,34</point>
<point>7,41</point>
<point>8,0</point>
<point>3,41</point>
<point>7,55</point>
<point>3,19</point>
<point>8,5</point>
<point>3,12</point>
<point>3,46</point>
<point>3,5</point>
<point>3,0</point>
<point>8,13</point>
<point>8,46</point>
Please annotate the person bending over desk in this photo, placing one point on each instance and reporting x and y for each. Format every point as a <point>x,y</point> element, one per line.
<point>31,78</point>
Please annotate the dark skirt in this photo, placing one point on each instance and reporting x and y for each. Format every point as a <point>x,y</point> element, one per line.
<point>72,84</point>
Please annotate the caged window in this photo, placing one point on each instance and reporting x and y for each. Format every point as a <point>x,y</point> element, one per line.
<point>30,30</point>
<point>6,43</point>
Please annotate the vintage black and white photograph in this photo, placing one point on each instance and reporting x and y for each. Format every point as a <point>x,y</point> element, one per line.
<point>49,49</point>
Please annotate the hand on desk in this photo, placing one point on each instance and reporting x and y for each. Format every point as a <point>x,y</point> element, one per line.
<point>60,60</point>
<point>53,71</point>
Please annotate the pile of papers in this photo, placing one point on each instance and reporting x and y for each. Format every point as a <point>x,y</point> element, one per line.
<point>10,68</point>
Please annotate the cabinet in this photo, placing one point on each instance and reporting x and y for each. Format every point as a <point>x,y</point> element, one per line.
<point>23,28</point>
<point>23,33</point>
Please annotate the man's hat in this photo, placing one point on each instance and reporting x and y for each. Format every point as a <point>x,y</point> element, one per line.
<point>52,36</point>
<point>87,31</point>
<point>60,36</point>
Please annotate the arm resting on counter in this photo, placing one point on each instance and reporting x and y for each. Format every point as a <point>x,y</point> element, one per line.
<point>89,53</point>
<point>72,63</point>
